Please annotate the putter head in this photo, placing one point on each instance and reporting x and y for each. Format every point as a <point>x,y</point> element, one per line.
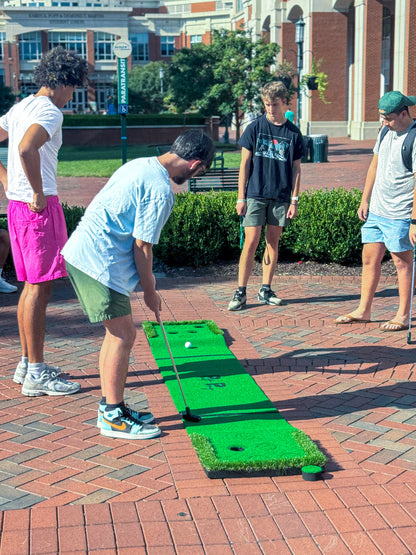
<point>189,417</point>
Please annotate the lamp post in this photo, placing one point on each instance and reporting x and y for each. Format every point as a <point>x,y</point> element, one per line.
<point>299,37</point>
<point>161,75</point>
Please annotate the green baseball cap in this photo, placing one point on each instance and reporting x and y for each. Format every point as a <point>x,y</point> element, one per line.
<point>394,101</point>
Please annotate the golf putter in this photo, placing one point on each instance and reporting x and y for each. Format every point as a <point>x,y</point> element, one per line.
<point>187,415</point>
<point>409,334</point>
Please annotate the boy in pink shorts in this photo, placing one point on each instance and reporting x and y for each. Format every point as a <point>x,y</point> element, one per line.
<point>35,217</point>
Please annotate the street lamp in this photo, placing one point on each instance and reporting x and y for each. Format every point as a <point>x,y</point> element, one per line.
<point>161,75</point>
<point>299,37</point>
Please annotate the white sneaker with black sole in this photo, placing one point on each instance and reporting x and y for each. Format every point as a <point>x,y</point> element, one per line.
<point>238,302</point>
<point>267,296</point>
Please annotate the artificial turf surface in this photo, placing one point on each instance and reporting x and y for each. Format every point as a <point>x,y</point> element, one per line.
<point>240,431</point>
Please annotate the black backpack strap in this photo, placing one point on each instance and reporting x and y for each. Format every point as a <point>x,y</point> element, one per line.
<point>383,133</point>
<point>407,147</point>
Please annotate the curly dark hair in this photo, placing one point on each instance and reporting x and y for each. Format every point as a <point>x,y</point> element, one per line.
<point>60,67</point>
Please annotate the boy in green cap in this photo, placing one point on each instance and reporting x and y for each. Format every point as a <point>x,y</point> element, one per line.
<point>390,216</point>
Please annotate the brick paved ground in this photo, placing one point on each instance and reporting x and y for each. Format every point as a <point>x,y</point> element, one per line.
<point>66,489</point>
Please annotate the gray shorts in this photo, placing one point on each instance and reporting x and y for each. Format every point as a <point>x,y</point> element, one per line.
<point>267,211</point>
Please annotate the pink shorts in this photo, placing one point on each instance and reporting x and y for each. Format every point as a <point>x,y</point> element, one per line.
<point>37,240</point>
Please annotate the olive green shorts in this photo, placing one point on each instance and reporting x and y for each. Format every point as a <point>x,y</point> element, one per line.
<point>98,301</point>
<point>268,211</point>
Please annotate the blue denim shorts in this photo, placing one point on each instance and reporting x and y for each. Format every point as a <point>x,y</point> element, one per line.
<point>393,233</point>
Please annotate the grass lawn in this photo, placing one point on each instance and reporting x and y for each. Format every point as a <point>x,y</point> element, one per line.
<point>96,161</point>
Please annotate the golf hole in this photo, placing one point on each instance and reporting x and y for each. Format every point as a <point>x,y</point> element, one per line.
<point>236,448</point>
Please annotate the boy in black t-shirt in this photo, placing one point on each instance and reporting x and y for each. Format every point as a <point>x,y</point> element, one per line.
<point>268,187</point>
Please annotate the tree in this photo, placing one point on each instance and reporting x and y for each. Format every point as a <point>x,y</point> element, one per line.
<point>191,75</point>
<point>7,98</point>
<point>224,77</point>
<point>145,87</point>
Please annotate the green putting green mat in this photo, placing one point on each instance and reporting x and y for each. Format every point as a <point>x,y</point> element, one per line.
<point>240,431</point>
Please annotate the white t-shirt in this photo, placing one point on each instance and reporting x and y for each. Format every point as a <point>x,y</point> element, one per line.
<point>392,194</point>
<point>135,204</point>
<point>29,111</point>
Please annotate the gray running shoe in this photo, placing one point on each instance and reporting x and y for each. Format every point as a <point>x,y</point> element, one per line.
<point>238,301</point>
<point>118,423</point>
<point>21,371</point>
<point>267,296</point>
<point>48,384</point>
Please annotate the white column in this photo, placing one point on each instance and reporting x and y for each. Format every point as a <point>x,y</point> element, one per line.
<point>401,33</point>
<point>359,31</point>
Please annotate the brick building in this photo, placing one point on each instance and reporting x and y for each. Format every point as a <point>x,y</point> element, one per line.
<point>365,46</point>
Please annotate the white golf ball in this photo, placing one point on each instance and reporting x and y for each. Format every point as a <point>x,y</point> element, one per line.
<point>188,344</point>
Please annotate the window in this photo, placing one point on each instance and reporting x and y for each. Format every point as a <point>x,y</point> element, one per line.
<point>180,8</point>
<point>224,5</point>
<point>2,41</point>
<point>167,46</point>
<point>30,46</point>
<point>195,39</point>
<point>239,5</point>
<point>140,47</point>
<point>69,40</point>
<point>103,46</point>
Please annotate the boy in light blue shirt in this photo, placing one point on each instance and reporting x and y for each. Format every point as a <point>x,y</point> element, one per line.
<point>111,250</point>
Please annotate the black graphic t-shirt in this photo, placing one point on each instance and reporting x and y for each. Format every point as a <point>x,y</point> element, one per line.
<point>274,149</point>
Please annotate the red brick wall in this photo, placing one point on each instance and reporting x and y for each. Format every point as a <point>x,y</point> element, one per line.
<point>372,59</point>
<point>154,47</point>
<point>203,7</point>
<point>90,48</point>
<point>111,136</point>
<point>289,51</point>
<point>410,87</point>
<point>329,43</point>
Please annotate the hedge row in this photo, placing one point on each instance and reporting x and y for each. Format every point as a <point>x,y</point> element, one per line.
<point>205,228</point>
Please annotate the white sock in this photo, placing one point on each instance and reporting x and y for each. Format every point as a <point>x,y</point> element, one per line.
<point>25,361</point>
<point>35,369</point>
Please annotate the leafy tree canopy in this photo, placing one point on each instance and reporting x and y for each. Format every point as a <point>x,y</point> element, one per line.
<point>145,87</point>
<point>7,98</point>
<point>223,78</point>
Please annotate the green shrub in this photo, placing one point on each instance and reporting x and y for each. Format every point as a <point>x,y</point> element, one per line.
<point>205,228</point>
<point>200,230</point>
<point>72,214</point>
<point>327,228</point>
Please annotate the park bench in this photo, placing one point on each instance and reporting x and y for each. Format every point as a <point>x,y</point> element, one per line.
<point>3,155</point>
<point>224,179</point>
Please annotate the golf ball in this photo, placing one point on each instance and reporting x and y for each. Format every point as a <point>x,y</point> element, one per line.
<point>188,344</point>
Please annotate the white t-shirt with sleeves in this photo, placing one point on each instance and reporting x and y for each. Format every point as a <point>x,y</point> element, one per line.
<point>135,204</point>
<point>29,111</point>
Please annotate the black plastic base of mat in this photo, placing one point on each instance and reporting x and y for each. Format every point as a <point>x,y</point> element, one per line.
<point>220,474</point>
